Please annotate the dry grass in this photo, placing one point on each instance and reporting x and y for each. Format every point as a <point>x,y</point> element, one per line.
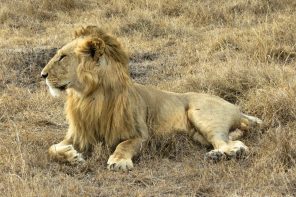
<point>243,51</point>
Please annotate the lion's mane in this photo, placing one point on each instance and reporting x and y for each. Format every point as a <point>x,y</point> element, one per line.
<point>104,110</point>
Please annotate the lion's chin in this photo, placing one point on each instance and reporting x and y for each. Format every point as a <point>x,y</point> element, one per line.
<point>55,92</point>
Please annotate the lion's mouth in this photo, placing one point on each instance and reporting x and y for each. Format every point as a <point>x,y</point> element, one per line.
<point>63,87</point>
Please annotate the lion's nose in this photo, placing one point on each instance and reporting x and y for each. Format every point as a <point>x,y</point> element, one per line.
<point>44,75</point>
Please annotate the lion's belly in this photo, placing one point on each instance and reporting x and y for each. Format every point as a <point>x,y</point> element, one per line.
<point>170,119</point>
<point>176,122</point>
<point>166,111</point>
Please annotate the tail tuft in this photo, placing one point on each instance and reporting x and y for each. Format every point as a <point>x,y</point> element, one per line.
<point>247,122</point>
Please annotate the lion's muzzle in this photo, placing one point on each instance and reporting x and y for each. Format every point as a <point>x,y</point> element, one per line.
<point>44,74</point>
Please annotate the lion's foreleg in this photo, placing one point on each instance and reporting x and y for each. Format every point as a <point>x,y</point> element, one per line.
<point>121,159</point>
<point>64,151</point>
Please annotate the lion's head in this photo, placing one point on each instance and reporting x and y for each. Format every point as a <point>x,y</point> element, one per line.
<point>92,59</point>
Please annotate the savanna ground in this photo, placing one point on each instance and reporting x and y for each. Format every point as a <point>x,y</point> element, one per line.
<point>242,50</point>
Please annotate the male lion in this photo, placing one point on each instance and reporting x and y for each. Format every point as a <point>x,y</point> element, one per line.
<point>104,104</point>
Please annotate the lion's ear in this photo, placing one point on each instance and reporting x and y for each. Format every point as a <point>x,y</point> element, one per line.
<point>86,31</point>
<point>79,32</point>
<point>93,47</point>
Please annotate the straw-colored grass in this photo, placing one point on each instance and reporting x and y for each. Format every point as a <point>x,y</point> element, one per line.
<point>243,51</point>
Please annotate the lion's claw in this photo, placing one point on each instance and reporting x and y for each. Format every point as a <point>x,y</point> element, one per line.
<point>77,158</point>
<point>65,152</point>
<point>215,155</point>
<point>235,149</point>
<point>239,152</point>
<point>117,164</point>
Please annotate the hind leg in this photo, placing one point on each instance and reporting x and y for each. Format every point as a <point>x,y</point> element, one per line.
<point>223,147</point>
<point>234,135</point>
<point>216,132</point>
<point>198,137</point>
<point>236,149</point>
<point>233,149</point>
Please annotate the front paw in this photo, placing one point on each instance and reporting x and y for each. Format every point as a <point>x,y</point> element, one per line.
<point>63,152</point>
<point>117,163</point>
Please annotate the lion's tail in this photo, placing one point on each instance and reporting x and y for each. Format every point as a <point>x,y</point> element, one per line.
<point>246,121</point>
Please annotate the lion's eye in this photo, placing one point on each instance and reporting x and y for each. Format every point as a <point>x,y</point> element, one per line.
<point>62,57</point>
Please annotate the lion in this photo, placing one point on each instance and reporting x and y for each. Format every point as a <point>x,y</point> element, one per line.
<point>104,105</point>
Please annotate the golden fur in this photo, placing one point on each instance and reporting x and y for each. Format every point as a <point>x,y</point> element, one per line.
<point>103,104</point>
